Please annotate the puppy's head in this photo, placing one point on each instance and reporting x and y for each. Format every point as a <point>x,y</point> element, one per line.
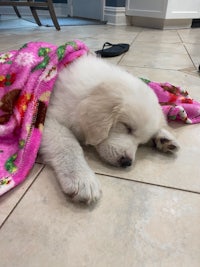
<point>118,116</point>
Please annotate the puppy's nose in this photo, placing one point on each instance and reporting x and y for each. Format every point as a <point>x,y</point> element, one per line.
<point>125,162</point>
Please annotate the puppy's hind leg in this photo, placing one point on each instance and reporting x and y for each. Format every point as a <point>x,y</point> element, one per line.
<point>62,151</point>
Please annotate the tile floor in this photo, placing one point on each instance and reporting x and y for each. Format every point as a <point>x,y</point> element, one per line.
<point>149,215</point>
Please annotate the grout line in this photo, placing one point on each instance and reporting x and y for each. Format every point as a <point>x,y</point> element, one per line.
<point>154,68</point>
<point>148,67</point>
<point>146,183</point>
<point>189,56</point>
<point>134,39</point>
<point>186,49</point>
<point>22,196</point>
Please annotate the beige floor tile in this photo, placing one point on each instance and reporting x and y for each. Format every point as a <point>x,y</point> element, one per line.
<point>15,41</point>
<point>146,52</point>
<point>94,36</point>
<point>133,225</point>
<point>10,199</point>
<point>190,35</point>
<point>194,52</point>
<point>191,71</point>
<point>159,36</point>
<point>16,23</point>
<point>144,47</point>
<point>169,60</point>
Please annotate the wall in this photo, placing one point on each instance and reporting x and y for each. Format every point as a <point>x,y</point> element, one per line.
<point>114,12</point>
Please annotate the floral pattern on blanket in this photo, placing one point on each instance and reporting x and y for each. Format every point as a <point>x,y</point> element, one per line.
<point>27,77</point>
<point>176,102</point>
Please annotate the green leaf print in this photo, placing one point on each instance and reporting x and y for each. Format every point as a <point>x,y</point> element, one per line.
<point>23,46</point>
<point>43,64</point>
<point>145,80</point>
<point>73,44</point>
<point>9,165</point>
<point>43,52</point>
<point>172,117</point>
<point>61,49</point>
<point>21,143</point>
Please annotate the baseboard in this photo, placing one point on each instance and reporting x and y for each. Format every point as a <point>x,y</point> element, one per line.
<point>115,15</point>
<point>158,23</point>
<point>61,10</point>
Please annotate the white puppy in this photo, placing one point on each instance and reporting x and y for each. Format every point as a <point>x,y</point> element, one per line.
<point>104,106</point>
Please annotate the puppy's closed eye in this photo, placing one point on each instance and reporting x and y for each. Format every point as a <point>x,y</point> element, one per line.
<point>128,128</point>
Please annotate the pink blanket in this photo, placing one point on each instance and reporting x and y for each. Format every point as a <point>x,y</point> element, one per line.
<point>27,77</point>
<point>176,102</point>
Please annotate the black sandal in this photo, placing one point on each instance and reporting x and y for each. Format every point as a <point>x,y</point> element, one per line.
<point>113,51</point>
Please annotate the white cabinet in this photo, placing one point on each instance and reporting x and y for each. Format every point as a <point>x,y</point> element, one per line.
<point>146,8</point>
<point>162,12</point>
<point>177,9</point>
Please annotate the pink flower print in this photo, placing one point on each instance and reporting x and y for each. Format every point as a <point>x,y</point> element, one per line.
<point>25,59</point>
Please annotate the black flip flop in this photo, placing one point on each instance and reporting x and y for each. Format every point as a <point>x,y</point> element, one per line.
<point>113,51</point>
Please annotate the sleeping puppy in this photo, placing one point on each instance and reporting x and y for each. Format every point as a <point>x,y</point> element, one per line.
<point>99,104</point>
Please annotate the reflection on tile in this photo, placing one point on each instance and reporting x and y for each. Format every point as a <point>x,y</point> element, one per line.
<point>10,199</point>
<point>190,35</point>
<point>88,34</point>
<point>192,71</point>
<point>170,60</point>
<point>144,47</point>
<point>194,52</point>
<point>131,218</point>
<point>15,23</point>
<point>159,36</point>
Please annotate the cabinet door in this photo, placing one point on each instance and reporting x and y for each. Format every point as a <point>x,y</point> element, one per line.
<point>146,8</point>
<point>187,9</point>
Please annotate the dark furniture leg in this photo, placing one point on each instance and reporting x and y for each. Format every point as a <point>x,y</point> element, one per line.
<point>47,5</point>
<point>17,11</point>
<point>53,15</point>
<point>35,15</point>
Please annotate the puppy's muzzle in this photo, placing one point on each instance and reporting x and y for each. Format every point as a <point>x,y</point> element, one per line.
<point>125,162</point>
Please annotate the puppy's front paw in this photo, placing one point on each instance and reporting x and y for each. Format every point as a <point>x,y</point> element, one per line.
<point>165,142</point>
<point>166,145</point>
<point>82,187</point>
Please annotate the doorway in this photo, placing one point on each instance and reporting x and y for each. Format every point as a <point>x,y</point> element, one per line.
<point>91,9</point>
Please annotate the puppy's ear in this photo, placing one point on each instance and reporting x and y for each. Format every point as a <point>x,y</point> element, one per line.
<point>98,112</point>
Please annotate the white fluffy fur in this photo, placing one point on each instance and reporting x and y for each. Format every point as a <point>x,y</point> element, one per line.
<point>101,105</point>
